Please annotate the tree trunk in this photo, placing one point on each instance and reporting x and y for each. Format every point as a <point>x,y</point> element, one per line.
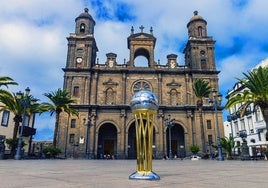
<point>202,131</point>
<point>17,119</point>
<point>15,130</point>
<point>15,133</point>
<point>56,130</point>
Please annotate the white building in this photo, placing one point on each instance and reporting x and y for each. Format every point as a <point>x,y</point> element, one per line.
<point>251,126</point>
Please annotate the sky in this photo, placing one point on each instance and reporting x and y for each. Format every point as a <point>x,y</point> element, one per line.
<point>33,45</point>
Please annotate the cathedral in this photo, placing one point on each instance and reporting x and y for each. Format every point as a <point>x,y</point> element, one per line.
<point>105,126</point>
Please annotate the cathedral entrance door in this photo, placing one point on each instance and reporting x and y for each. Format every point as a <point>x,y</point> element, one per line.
<point>174,147</point>
<point>108,148</point>
<point>177,140</point>
<point>107,141</point>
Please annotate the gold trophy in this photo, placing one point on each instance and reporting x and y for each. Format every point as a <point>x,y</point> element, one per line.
<point>144,105</point>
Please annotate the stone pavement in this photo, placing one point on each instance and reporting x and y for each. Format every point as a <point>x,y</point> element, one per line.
<point>115,173</point>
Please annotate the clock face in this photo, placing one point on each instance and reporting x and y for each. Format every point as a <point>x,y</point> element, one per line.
<point>79,60</point>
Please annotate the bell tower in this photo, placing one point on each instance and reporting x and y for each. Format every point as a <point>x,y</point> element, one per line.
<point>81,57</point>
<point>199,50</point>
<point>82,48</point>
<point>141,44</point>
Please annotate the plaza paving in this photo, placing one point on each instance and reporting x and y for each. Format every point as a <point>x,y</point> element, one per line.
<point>115,173</point>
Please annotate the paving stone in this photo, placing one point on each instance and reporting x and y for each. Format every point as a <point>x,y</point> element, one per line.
<point>115,173</point>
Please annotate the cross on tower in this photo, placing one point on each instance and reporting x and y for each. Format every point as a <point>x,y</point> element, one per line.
<point>141,28</point>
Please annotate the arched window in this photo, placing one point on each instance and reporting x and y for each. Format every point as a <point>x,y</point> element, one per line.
<point>203,64</point>
<point>109,98</point>
<point>76,91</point>
<point>141,85</point>
<point>82,28</point>
<point>200,31</point>
<point>141,61</point>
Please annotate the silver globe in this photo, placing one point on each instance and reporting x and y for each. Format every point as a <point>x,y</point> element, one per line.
<point>144,100</point>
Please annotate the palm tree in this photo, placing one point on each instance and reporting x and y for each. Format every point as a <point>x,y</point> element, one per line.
<point>228,145</point>
<point>255,92</point>
<point>5,81</point>
<point>9,101</point>
<point>60,101</point>
<point>201,89</point>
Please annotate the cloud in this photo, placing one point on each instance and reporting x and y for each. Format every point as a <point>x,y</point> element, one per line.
<point>231,68</point>
<point>33,45</point>
<point>112,10</point>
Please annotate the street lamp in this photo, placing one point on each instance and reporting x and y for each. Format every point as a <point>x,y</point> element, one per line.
<point>25,101</point>
<point>210,143</point>
<point>169,124</point>
<point>88,124</point>
<point>216,102</point>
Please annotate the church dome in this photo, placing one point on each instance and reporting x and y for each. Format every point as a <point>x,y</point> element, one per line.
<point>196,17</point>
<point>85,15</point>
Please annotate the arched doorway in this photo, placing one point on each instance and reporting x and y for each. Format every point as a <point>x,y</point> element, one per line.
<point>132,150</point>
<point>132,142</point>
<point>107,141</point>
<point>177,141</point>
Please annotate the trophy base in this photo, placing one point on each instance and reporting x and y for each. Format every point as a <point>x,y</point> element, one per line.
<point>144,176</point>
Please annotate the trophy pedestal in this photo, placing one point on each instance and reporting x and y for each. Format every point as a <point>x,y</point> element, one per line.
<point>144,107</point>
<point>144,176</point>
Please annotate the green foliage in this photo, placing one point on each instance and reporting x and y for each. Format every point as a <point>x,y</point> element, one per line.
<point>9,101</point>
<point>13,143</point>
<point>60,101</point>
<point>228,145</point>
<point>51,151</point>
<point>201,89</point>
<point>5,81</point>
<point>255,92</point>
<point>194,149</point>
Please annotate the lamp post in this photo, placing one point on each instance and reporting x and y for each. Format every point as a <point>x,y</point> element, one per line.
<point>88,124</point>
<point>25,101</point>
<point>169,124</point>
<point>245,150</point>
<point>210,143</point>
<point>216,102</point>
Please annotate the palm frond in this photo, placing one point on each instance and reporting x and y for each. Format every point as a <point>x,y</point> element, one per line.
<point>255,92</point>
<point>60,101</point>
<point>5,81</point>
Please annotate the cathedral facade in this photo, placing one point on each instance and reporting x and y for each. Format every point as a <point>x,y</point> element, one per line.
<point>105,126</point>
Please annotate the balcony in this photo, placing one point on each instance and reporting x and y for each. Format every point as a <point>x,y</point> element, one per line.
<point>232,117</point>
<point>260,124</point>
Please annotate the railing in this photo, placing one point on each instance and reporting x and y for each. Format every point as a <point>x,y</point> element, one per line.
<point>260,124</point>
